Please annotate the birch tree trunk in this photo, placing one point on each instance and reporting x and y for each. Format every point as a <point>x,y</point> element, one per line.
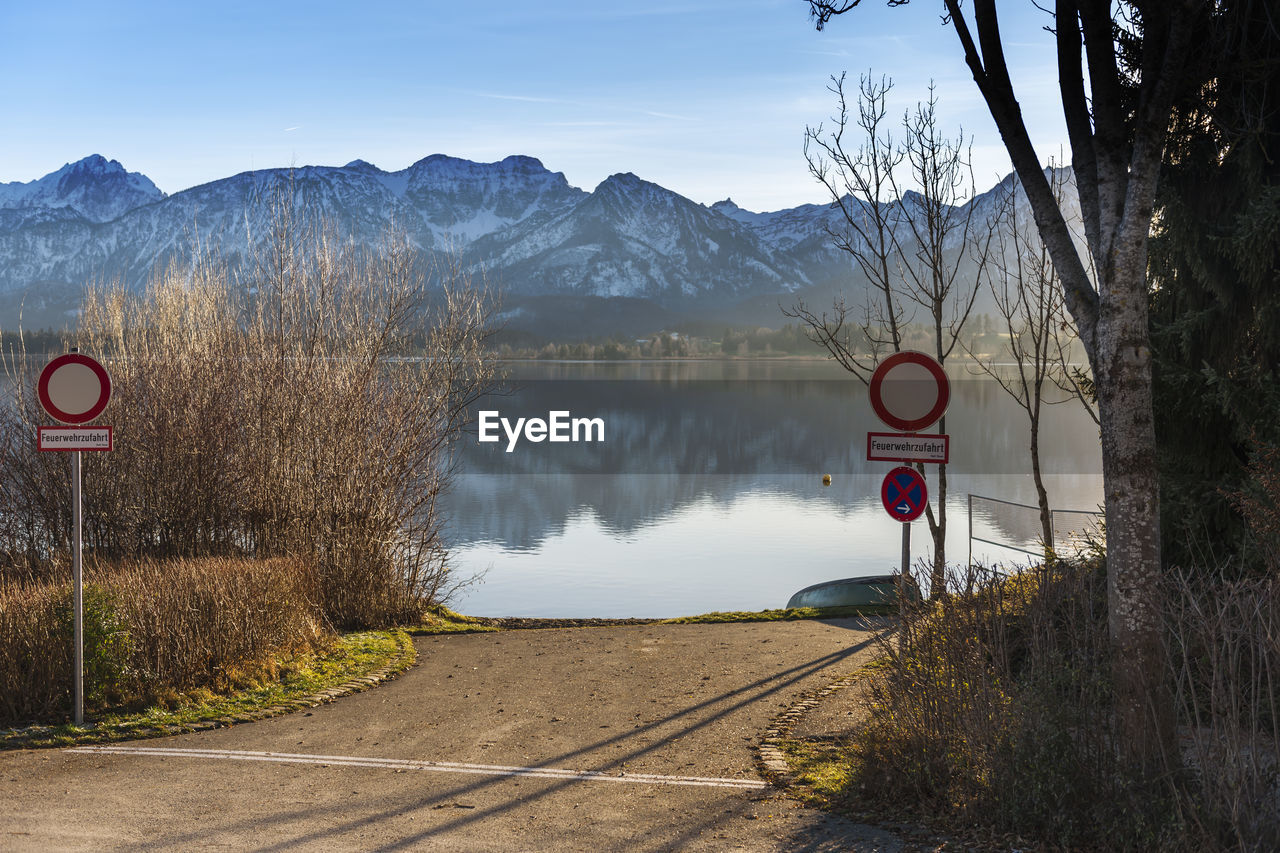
<point>1117,126</point>
<point>1116,157</point>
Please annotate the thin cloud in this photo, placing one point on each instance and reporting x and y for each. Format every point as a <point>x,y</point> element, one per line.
<point>668,115</point>
<point>497,96</point>
<point>584,124</point>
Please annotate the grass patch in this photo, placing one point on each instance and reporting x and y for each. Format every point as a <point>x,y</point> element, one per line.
<point>284,681</point>
<point>441,620</point>
<point>822,771</point>
<point>783,615</point>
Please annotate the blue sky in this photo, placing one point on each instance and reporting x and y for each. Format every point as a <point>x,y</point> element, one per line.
<point>710,99</point>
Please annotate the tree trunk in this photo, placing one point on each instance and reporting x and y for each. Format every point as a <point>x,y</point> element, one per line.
<point>938,527</point>
<point>1042,494</point>
<point>938,579</point>
<point>1117,147</point>
<point>1144,706</point>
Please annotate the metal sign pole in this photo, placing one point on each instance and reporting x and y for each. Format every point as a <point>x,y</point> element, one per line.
<point>77,590</point>
<point>906,548</point>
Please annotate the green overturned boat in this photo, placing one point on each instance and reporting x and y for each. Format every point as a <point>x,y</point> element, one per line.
<point>875,592</point>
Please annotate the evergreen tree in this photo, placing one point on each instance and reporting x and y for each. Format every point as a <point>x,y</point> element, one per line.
<point>1215,263</point>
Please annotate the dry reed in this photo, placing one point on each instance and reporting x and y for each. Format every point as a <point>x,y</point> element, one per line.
<point>151,628</point>
<point>994,710</point>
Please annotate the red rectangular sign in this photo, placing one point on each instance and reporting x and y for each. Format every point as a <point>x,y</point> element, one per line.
<point>908,447</point>
<point>75,438</point>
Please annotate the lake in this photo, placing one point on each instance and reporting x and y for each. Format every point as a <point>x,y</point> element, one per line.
<point>706,492</point>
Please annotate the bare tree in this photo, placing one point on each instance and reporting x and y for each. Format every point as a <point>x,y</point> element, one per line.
<point>920,251</point>
<point>1117,126</point>
<point>1028,298</point>
<point>860,183</point>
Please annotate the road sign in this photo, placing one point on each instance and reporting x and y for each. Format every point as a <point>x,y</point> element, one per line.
<point>903,494</point>
<point>74,388</point>
<point>909,391</point>
<point>912,447</point>
<point>74,438</point>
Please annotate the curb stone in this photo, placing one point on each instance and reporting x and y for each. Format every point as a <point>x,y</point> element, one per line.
<point>770,759</point>
<point>405,658</point>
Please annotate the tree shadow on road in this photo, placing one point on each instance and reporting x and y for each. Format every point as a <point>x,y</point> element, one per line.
<point>692,718</point>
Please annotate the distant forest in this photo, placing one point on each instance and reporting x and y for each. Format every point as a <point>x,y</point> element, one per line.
<point>685,341</point>
<point>701,340</point>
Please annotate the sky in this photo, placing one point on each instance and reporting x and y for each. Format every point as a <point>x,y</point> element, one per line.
<point>709,99</point>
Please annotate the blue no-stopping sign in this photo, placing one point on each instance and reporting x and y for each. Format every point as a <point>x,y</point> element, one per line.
<point>903,494</point>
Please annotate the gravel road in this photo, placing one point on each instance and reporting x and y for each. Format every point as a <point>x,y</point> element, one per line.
<point>637,737</point>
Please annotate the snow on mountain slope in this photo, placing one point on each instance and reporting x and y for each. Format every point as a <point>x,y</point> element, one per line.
<point>98,189</point>
<point>441,203</point>
<point>519,223</point>
<point>804,227</point>
<point>461,200</point>
<point>634,238</point>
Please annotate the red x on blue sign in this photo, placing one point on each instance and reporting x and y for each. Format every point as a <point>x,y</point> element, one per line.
<point>903,494</point>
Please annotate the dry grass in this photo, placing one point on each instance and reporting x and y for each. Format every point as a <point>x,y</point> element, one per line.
<point>1226,662</point>
<point>994,709</point>
<point>153,629</point>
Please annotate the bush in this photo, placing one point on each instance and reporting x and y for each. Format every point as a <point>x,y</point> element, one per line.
<point>106,641</point>
<point>995,710</point>
<point>301,402</point>
<point>1225,660</point>
<point>152,628</point>
<point>196,623</point>
<point>35,653</point>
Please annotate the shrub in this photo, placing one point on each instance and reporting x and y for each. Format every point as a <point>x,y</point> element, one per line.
<point>994,709</point>
<point>1225,633</point>
<point>35,653</point>
<point>194,623</point>
<point>105,638</point>
<point>300,402</point>
<point>152,628</point>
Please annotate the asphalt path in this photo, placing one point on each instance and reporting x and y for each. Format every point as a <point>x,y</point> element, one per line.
<point>623,738</point>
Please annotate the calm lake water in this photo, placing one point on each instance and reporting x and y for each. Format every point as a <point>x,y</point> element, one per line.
<point>706,493</point>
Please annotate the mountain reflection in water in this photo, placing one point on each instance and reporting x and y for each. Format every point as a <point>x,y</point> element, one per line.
<point>706,493</point>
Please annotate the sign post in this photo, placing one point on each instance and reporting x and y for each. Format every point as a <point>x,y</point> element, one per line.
<point>906,550</point>
<point>909,391</point>
<point>904,496</point>
<point>75,389</point>
<point>77,594</point>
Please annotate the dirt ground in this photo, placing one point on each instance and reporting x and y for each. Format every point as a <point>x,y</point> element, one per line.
<point>478,747</point>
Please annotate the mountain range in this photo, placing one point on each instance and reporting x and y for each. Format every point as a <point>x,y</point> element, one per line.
<point>630,250</point>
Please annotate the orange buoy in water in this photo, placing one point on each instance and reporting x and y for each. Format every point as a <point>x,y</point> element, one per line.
<point>826,479</point>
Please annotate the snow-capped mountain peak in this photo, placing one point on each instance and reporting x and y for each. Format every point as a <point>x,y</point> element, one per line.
<point>98,189</point>
<point>520,224</point>
<point>363,166</point>
<point>729,208</point>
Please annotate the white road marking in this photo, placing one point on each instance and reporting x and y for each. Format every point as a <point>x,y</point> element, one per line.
<point>438,766</point>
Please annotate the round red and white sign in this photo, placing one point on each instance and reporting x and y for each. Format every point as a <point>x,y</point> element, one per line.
<point>909,390</point>
<point>74,388</point>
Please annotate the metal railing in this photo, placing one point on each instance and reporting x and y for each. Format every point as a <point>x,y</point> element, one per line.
<point>1063,537</point>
